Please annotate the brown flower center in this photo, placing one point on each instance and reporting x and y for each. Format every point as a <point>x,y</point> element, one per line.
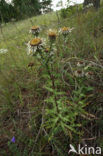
<point>35,42</point>
<point>79,71</point>
<point>81,62</point>
<point>90,73</point>
<point>65,29</point>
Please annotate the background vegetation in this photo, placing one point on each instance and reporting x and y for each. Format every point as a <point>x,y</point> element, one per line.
<point>21,9</point>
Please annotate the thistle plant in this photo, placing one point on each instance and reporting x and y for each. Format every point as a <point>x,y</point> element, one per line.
<point>61,112</point>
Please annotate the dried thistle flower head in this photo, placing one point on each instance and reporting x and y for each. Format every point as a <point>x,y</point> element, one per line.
<point>52,34</point>
<point>79,73</point>
<point>35,42</point>
<point>35,30</point>
<point>89,74</point>
<point>80,63</point>
<point>31,64</point>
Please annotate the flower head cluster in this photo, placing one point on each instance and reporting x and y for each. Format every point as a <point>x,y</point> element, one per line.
<point>38,45</point>
<point>34,45</point>
<point>35,30</point>
<point>80,72</point>
<point>52,34</point>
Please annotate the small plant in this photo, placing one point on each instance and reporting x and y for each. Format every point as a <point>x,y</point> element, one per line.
<point>13,147</point>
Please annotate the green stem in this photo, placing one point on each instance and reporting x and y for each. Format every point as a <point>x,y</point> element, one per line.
<point>53,85</point>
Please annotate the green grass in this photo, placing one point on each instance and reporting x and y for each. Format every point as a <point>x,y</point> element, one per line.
<point>47,111</point>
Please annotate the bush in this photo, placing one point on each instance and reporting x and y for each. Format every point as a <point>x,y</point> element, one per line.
<point>70,11</point>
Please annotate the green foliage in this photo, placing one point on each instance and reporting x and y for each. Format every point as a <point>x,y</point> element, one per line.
<point>46,6</point>
<point>72,10</point>
<point>13,149</point>
<point>22,9</point>
<point>6,11</point>
<point>95,3</point>
<point>26,8</point>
